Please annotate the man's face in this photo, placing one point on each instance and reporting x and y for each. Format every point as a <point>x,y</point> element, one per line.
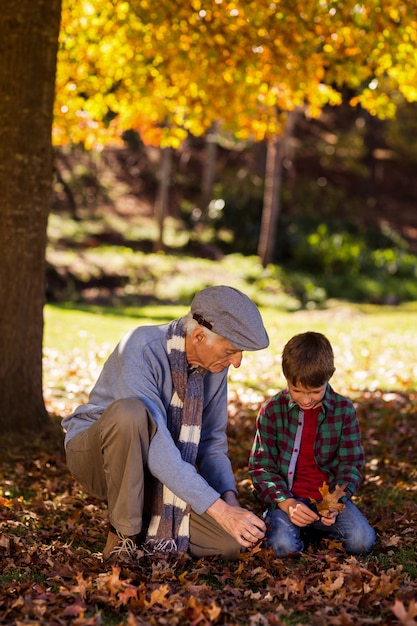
<point>306,397</point>
<point>214,356</point>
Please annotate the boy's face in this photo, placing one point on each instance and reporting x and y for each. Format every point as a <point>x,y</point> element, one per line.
<point>306,397</point>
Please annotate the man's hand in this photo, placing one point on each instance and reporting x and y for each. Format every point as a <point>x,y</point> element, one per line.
<point>246,527</point>
<point>299,513</point>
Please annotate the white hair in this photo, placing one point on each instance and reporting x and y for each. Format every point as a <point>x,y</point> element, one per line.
<point>190,324</point>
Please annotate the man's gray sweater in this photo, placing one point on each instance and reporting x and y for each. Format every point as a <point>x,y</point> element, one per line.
<point>139,368</point>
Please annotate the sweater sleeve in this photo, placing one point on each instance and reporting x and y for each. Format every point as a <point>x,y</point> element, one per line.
<point>139,368</point>
<point>200,486</point>
<point>212,459</point>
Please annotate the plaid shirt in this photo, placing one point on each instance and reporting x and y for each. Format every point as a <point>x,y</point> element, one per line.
<point>337,450</point>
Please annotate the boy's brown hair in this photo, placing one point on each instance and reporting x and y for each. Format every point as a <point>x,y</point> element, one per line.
<point>308,360</point>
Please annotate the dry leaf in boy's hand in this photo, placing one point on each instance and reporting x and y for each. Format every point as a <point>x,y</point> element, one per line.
<point>330,501</point>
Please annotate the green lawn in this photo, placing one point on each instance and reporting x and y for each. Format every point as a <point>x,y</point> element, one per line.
<point>375,347</point>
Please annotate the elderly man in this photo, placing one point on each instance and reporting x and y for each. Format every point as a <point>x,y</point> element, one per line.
<point>151,440</point>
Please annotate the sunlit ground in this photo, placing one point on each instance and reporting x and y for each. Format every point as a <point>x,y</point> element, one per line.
<point>373,351</point>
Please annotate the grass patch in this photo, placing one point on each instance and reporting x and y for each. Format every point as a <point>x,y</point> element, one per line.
<point>406,557</point>
<point>21,576</point>
<point>13,575</point>
<point>298,617</point>
<point>106,618</point>
<point>85,327</point>
<point>374,346</point>
<point>112,258</point>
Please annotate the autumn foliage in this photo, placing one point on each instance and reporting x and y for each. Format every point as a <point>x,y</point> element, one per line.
<point>51,535</point>
<point>168,69</point>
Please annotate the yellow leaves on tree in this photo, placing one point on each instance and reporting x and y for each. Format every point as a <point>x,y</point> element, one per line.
<point>330,501</point>
<point>180,67</point>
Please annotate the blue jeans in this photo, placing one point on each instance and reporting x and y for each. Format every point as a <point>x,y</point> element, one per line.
<point>350,527</point>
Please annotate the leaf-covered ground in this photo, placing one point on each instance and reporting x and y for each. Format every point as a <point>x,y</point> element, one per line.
<point>51,534</point>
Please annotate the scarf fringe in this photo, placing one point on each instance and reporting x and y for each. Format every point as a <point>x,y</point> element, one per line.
<point>152,546</point>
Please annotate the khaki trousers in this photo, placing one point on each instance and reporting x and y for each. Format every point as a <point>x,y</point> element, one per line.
<point>109,460</point>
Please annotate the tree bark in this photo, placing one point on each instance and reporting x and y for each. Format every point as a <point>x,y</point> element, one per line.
<point>209,172</point>
<point>271,201</point>
<point>161,206</point>
<point>277,150</point>
<point>28,48</point>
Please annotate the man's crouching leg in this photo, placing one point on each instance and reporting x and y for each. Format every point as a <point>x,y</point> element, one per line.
<point>109,460</point>
<point>208,538</point>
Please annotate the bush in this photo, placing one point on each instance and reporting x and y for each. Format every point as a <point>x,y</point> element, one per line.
<point>338,261</point>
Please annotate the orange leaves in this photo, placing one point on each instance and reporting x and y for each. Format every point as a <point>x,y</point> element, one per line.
<point>6,501</point>
<point>407,617</point>
<point>52,573</point>
<point>158,596</point>
<point>114,590</point>
<point>330,501</point>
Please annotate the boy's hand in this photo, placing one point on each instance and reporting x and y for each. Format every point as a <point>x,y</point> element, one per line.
<point>298,512</point>
<point>329,520</point>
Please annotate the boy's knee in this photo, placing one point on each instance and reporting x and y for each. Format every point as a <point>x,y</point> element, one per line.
<point>283,549</point>
<point>282,536</point>
<point>361,544</point>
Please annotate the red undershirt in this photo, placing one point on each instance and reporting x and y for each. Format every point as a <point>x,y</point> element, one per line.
<point>308,478</point>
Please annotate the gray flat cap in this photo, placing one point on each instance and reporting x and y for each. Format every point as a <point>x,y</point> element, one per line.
<point>231,314</point>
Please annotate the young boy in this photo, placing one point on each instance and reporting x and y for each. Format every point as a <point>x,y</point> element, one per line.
<point>308,435</point>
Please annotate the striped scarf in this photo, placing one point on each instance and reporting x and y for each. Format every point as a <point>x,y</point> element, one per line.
<point>170,522</point>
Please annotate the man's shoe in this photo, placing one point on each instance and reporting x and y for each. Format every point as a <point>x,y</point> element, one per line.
<point>118,546</point>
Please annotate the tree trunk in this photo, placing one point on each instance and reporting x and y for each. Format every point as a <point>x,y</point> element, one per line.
<point>161,207</point>
<point>277,150</point>
<point>271,202</point>
<point>28,47</point>
<point>209,172</point>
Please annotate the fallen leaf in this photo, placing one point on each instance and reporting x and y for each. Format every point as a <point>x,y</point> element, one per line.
<point>330,501</point>
<point>158,596</point>
<point>406,617</point>
<point>393,541</point>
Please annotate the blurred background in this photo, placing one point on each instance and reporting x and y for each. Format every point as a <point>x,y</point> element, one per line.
<point>346,224</point>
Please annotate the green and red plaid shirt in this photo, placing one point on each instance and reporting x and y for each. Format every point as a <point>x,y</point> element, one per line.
<point>337,450</point>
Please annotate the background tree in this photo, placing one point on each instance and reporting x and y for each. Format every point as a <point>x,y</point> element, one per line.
<point>28,46</point>
<point>168,70</point>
